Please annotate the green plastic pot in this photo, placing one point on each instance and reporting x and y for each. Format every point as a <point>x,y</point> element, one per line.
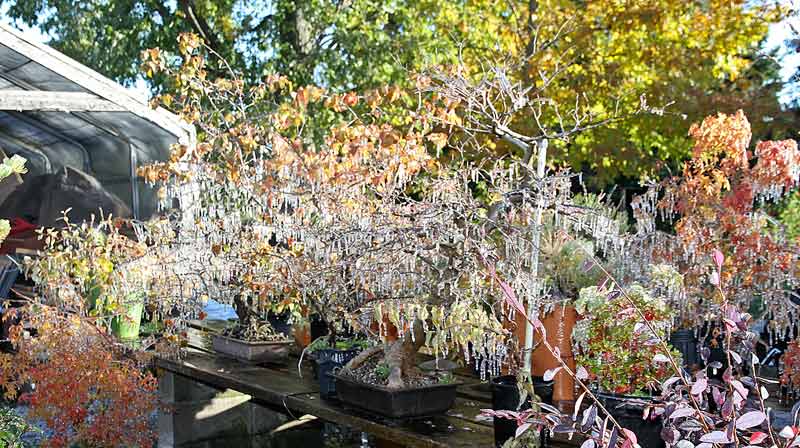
<point>126,326</point>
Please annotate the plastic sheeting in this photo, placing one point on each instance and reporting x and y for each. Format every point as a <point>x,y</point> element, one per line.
<point>108,143</point>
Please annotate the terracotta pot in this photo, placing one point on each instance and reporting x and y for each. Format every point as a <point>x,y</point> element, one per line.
<point>302,334</point>
<point>301,331</point>
<point>558,324</point>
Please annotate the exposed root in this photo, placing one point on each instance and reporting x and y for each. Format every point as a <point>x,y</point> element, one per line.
<point>400,356</point>
<point>362,357</point>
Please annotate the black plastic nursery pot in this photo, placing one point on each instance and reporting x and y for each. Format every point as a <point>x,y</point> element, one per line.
<point>505,397</point>
<point>628,411</point>
<point>326,361</point>
<point>396,403</point>
<point>686,343</point>
<point>273,352</point>
<point>280,323</point>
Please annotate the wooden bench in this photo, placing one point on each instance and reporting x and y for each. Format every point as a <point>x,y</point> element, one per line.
<point>296,393</point>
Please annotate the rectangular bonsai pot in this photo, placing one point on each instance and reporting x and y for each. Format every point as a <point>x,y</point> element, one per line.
<point>396,403</point>
<point>253,352</point>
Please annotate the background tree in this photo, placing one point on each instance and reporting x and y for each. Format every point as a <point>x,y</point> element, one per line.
<point>717,204</point>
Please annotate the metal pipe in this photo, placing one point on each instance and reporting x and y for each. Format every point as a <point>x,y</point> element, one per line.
<point>28,150</point>
<point>134,183</point>
<point>87,158</point>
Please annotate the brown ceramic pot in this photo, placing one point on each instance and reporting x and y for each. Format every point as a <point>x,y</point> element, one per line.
<point>302,330</point>
<point>302,334</point>
<point>558,324</point>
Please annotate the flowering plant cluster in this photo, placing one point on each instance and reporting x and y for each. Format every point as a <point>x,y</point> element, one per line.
<point>616,346</point>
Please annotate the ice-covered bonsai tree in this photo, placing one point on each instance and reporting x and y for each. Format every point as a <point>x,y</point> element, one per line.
<point>365,205</point>
<point>281,175</point>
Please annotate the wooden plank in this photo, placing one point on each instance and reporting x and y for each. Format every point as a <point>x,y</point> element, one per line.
<point>225,373</point>
<point>284,388</point>
<point>475,390</point>
<point>39,100</point>
<point>433,432</point>
<point>463,424</point>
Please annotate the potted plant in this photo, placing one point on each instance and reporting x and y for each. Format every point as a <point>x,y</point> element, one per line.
<point>252,338</point>
<point>567,267</point>
<point>513,393</point>
<point>618,348</point>
<point>369,383</point>
<point>96,271</point>
<point>327,359</point>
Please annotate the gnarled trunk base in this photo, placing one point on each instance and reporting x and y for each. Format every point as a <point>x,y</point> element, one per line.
<point>400,356</point>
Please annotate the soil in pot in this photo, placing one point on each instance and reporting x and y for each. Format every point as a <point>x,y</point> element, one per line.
<point>505,396</point>
<point>628,411</point>
<point>423,395</point>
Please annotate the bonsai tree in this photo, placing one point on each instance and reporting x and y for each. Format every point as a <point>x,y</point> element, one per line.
<point>365,205</point>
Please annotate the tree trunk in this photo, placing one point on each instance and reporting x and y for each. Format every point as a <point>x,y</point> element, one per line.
<point>399,355</point>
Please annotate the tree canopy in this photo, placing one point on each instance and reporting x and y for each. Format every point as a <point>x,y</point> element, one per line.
<point>697,55</point>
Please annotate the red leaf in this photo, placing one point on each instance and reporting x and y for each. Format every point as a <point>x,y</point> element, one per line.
<point>508,292</point>
<point>630,436</point>
<point>757,437</point>
<point>715,437</point>
<point>699,386</point>
<point>550,373</point>
<point>522,428</point>
<point>750,419</point>
<point>681,412</point>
